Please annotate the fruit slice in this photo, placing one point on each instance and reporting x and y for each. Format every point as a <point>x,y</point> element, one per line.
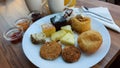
<point>57,35</point>
<point>68,39</point>
<point>67,28</point>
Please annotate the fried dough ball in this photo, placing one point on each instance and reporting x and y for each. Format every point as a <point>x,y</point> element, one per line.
<point>90,41</point>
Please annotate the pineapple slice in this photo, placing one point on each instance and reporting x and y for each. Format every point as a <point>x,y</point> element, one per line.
<point>67,28</point>
<point>57,35</point>
<point>68,39</point>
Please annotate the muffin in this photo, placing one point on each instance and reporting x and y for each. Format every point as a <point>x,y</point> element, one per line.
<point>50,50</point>
<point>71,54</point>
<point>80,24</point>
<point>90,41</point>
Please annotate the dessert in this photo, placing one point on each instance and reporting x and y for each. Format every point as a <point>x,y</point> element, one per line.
<point>48,29</point>
<point>68,39</point>
<point>37,38</point>
<point>50,50</point>
<point>58,21</point>
<point>80,23</point>
<point>90,41</point>
<point>57,35</point>
<point>71,54</point>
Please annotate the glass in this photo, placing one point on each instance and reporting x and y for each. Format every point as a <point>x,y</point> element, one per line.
<point>38,9</point>
<point>35,15</point>
<point>23,23</point>
<point>35,5</point>
<point>13,34</point>
<point>72,4</point>
<point>58,5</point>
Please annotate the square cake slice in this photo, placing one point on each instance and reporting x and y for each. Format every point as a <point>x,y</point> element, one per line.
<point>48,29</point>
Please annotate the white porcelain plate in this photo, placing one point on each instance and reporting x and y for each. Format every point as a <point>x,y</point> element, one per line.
<point>32,51</point>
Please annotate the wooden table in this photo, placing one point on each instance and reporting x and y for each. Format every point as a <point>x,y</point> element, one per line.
<point>12,56</point>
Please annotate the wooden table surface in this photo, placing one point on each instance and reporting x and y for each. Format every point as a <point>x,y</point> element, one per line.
<point>12,56</point>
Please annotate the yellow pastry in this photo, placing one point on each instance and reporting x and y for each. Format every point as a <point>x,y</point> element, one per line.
<point>48,29</point>
<point>90,41</point>
<point>80,23</point>
<point>37,38</point>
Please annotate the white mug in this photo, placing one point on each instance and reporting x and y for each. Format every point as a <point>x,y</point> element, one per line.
<point>35,5</point>
<point>57,5</point>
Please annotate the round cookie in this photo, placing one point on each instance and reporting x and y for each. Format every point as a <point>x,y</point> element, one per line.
<point>71,54</point>
<point>90,41</point>
<point>50,50</point>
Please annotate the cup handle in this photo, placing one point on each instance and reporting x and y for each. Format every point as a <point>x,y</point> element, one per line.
<point>70,1</point>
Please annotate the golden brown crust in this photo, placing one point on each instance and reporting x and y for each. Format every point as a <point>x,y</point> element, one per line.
<point>71,54</point>
<point>50,50</point>
<point>38,38</point>
<point>80,25</point>
<point>90,41</point>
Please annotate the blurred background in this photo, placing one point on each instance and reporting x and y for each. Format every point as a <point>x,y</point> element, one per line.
<point>117,2</point>
<point>116,63</point>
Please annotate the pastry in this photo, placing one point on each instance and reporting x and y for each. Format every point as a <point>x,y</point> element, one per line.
<point>50,50</point>
<point>37,38</point>
<point>90,41</point>
<point>71,54</point>
<point>48,29</point>
<point>58,21</point>
<point>80,23</point>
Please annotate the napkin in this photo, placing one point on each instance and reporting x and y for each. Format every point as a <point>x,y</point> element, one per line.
<point>103,11</point>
